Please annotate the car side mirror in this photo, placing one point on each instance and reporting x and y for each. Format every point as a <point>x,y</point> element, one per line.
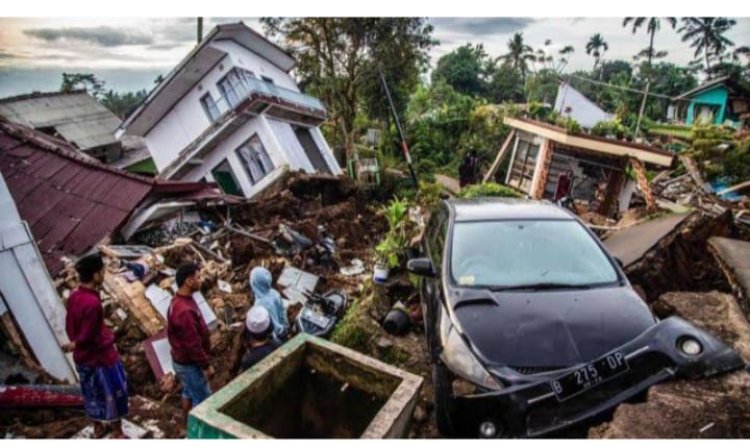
<point>421,266</point>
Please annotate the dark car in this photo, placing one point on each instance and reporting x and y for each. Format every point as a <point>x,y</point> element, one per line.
<point>532,325</point>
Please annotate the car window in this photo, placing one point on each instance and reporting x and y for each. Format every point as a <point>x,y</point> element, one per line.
<point>527,252</point>
<point>436,237</point>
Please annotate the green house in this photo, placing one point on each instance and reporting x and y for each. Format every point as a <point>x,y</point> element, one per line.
<point>719,101</point>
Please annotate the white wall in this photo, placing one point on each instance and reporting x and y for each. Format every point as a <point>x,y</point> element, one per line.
<point>320,140</point>
<point>227,150</point>
<point>244,58</point>
<point>29,294</point>
<point>187,119</point>
<point>582,109</point>
<point>290,144</point>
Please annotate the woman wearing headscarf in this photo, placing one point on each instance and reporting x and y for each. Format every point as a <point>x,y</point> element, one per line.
<point>270,299</point>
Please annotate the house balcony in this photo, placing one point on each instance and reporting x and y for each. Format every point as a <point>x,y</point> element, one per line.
<point>242,102</point>
<point>258,96</point>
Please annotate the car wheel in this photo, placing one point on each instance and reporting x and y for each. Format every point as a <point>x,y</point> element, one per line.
<point>443,400</point>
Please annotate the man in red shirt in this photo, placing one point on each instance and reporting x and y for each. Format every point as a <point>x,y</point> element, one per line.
<point>103,381</point>
<point>189,338</point>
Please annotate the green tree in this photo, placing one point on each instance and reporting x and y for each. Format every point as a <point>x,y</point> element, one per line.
<point>706,35</point>
<point>519,54</point>
<point>653,24</point>
<point>505,85</point>
<point>542,86</point>
<point>597,46</point>
<point>464,69</point>
<point>122,104</point>
<point>85,81</point>
<point>612,69</point>
<point>339,61</point>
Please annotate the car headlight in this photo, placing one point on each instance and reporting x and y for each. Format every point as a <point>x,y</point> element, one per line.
<point>460,360</point>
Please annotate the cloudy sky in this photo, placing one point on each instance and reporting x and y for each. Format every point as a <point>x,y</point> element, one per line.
<point>129,53</point>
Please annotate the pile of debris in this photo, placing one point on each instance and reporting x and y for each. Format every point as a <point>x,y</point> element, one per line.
<point>314,233</point>
<point>677,191</point>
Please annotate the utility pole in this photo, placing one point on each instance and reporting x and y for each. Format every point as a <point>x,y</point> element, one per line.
<point>200,29</point>
<point>404,145</point>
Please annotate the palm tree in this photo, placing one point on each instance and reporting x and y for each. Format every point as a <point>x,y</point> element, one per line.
<point>597,46</point>
<point>653,24</point>
<point>519,54</point>
<point>707,36</point>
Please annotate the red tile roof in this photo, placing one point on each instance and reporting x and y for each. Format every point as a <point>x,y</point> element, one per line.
<point>70,202</point>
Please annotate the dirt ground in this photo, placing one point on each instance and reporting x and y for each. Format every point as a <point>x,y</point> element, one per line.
<point>304,202</point>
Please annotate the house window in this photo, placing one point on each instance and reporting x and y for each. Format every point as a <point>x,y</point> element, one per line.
<point>254,157</point>
<point>524,163</point>
<point>232,88</point>
<point>210,107</point>
<point>224,176</point>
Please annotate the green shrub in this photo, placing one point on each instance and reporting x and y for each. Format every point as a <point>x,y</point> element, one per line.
<point>490,190</point>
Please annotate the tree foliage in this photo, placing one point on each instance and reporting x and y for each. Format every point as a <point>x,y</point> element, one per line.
<point>464,69</point>
<point>340,59</point>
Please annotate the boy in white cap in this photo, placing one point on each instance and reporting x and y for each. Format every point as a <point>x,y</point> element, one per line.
<point>259,340</point>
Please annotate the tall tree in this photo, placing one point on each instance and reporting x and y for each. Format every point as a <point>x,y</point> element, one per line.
<point>706,35</point>
<point>519,54</point>
<point>339,60</point>
<point>505,85</point>
<point>464,69</point>
<point>597,46</point>
<point>551,61</point>
<point>653,24</point>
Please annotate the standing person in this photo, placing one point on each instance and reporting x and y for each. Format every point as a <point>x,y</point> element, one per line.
<point>104,384</point>
<point>474,167</point>
<point>189,338</point>
<point>270,299</point>
<point>258,337</point>
<point>465,172</point>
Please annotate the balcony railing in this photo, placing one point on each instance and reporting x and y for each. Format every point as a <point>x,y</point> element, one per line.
<point>266,91</point>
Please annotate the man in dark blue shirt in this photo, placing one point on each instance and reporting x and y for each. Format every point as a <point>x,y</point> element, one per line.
<point>259,340</point>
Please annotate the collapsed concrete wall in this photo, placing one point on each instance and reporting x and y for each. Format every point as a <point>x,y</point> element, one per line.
<point>681,261</point>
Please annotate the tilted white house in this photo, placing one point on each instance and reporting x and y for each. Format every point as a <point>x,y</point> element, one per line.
<point>230,112</point>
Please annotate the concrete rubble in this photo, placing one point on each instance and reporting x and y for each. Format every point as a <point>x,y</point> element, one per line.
<point>228,241</point>
<point>682,258</point>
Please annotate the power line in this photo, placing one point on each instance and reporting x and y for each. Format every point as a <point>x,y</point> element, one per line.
<point>620,87</point>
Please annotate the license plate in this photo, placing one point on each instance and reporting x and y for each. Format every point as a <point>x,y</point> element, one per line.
<point>589,376</point>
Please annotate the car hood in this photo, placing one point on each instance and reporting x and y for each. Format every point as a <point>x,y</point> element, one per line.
<point>549,328</point>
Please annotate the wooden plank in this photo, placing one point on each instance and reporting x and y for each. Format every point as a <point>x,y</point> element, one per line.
<point>500,155</point>
<point>640,173</point>
<point>695,173</point>
<point>133,297</point>
<point>541,183</point>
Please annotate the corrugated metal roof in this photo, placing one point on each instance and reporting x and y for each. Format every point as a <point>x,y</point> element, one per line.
<point>77,117</point>
<point>69,202</point>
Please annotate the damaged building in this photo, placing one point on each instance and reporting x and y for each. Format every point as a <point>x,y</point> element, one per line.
<point>59,204</point>
<point>549,162</point>
<point>230,112</point>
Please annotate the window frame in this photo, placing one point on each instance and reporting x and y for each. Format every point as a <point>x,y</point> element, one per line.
<point>255,156</point>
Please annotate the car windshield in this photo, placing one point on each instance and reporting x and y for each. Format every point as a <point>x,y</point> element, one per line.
<point>527,253</point>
